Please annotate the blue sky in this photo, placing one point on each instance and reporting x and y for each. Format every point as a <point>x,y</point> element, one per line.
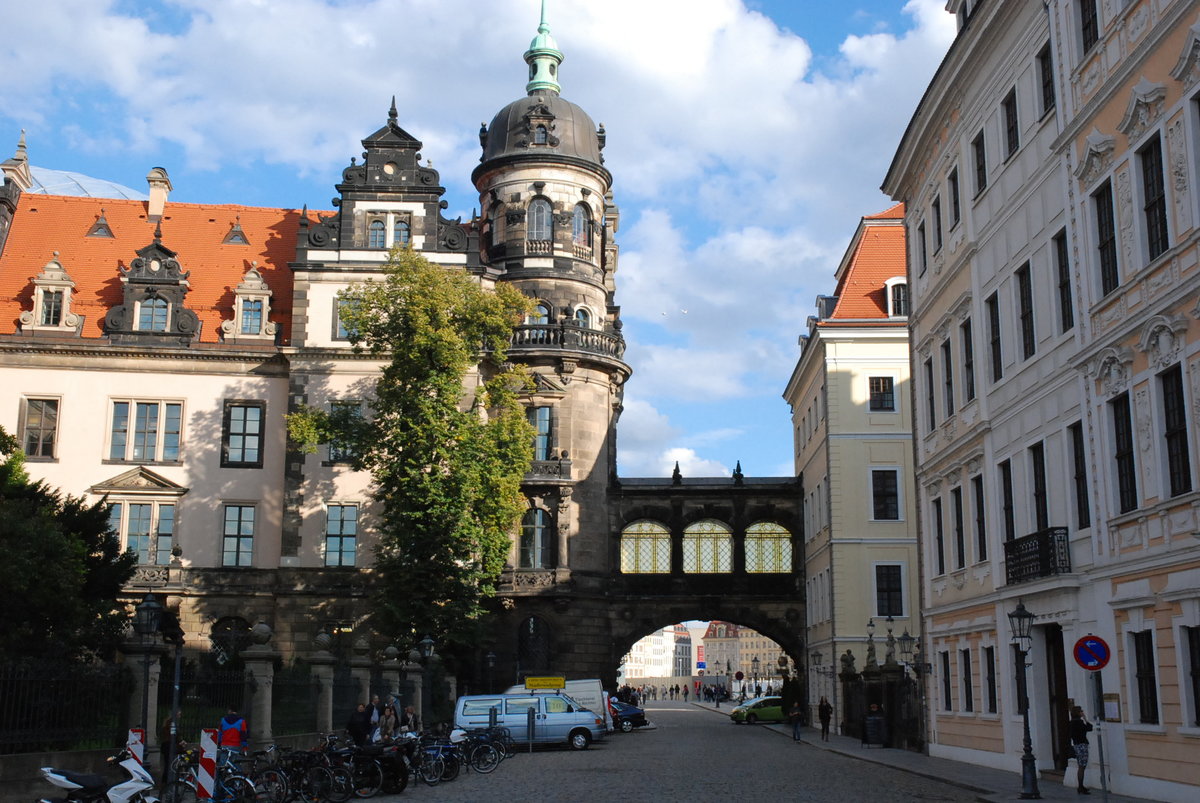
<point>746,138</point>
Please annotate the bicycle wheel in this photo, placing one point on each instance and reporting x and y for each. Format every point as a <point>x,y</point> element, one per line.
<point>270,786</point>
<point>342,788</point>
<point>431,770</point>
<point>395,780</point>
<point>368,777</point>
<point>179,791</point>
<point>452,767</point>
<point>485,758</point>
<point>234,789</point>
<point>314,785</point>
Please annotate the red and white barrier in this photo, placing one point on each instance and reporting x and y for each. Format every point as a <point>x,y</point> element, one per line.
<point>136,745</point>
<point>206,773</point>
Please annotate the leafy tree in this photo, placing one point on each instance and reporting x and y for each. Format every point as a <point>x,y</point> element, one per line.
<point>62,569</point>
<point>447,459</point>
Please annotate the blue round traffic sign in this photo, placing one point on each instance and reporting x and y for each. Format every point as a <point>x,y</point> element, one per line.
<point>1092,653</point>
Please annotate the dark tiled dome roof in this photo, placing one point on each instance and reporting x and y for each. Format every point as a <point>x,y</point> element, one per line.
<point>571,132</point>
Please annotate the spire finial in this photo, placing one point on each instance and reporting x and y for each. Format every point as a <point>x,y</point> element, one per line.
<point>392,114</point>
<point>21,155</point>
<point>543,58</point>
<point>158,232</point>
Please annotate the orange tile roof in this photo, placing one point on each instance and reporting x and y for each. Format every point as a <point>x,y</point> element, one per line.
<point>891,213</point>
<point>44,224</point>
<point>879,255</point>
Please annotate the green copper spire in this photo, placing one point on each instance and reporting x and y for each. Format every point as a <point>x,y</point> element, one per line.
<point>543,58</point>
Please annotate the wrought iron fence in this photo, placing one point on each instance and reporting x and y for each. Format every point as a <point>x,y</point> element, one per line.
<point>61,706</point>
<point>347,694</point>
<point>294,693</point>
<point>205,696</point>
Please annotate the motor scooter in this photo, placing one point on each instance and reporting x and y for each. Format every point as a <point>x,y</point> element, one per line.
<point>88,788</point>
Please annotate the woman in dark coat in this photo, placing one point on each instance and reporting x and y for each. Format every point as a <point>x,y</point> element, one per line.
<point>358,727</point>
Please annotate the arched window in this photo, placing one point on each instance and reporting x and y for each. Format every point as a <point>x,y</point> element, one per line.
<point>540,135</point>
<point>645,548</point>
<point>707,548</point>
<point>376,234</point>
<point>152,315</point>
<point>536,539</point>
<point>533,645</point>
<point>583,318</point>
<point>581,227</point>
<point>400,233</point>
<point>540,315</point>
<point>539,219</point>
<point>768,548</point>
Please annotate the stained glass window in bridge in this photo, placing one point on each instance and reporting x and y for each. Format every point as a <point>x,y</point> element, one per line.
<point>707,548</point>
<point>645,548</point>
<point>768,548</point>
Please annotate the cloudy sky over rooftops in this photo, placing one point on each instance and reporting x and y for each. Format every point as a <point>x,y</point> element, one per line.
<point>745,138</point>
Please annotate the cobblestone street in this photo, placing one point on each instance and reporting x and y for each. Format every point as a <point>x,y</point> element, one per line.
<point>692,754</point>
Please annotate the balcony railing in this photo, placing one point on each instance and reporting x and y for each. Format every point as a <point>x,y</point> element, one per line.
<point>568,336</point>
<point>1045,553</point>
<point>539,246</point>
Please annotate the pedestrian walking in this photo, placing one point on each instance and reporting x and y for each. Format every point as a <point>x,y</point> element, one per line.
<point>1078,729</point>
<point>358,726</point>
<point>824,713</point>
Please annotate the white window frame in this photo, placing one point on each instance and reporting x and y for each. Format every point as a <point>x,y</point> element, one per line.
<point>129,432</point>
<point>156,502</point>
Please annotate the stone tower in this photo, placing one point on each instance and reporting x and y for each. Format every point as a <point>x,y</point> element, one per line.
<point>547,227</point>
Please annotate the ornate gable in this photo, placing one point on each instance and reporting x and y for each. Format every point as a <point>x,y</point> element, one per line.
<point>155,287</point>
<point>1145,107</point>
<point>1096,158</point>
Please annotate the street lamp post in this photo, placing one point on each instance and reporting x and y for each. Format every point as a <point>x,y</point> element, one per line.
<point>146,618</point>
<point>911,657</point>
<point>1021,623</point>
<point>754,672</point>
<point>425,645</point>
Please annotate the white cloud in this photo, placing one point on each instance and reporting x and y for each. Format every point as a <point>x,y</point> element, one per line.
<point>740,169</point>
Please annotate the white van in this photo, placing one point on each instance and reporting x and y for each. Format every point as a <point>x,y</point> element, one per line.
<point>589,693</point>
<point>557,718</point>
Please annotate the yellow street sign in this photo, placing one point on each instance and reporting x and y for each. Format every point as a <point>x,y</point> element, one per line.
<point>545,683</point>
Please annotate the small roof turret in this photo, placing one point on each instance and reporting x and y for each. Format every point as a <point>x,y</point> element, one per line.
<point>543,58</point>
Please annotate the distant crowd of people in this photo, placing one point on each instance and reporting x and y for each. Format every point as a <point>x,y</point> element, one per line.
<point>380,721</point>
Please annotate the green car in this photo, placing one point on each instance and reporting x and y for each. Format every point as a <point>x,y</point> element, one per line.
<point>760,709</point>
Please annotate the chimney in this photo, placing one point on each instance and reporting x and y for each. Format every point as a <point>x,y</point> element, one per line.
<point>160,186</point>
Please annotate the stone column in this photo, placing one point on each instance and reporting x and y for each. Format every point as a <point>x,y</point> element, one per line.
<point>136,654</point>
<point>391,672</point>
<point>322,669</point>
<point>260,664</point>
<point>360,668</point>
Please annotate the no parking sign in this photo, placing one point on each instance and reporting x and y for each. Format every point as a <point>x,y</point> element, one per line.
<point>1092,653</point>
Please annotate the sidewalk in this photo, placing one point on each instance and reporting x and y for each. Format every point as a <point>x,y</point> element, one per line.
<point>991,785</point>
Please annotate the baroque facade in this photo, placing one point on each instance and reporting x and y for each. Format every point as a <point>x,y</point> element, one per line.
<point>1049,181</point>
<point>150,350</point>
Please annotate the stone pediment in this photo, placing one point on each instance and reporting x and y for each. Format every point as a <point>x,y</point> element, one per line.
<point>139,480</point>
<point>544,385</point>
<point>1145,107</point>
<point>1096,158</point>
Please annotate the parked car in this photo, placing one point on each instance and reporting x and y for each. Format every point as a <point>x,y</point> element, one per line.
<point>557,718</point>
<point>626,716</point>
<point>760,709</point>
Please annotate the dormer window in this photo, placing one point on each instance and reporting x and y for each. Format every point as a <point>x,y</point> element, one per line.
<point>897,297</point>
<point>540,135</point>
<point>251,309</point>
<point>51,300</point>
<point>152,315</point>
<point>154,289</point>
<point>236,236</point>
<point>100,228</point>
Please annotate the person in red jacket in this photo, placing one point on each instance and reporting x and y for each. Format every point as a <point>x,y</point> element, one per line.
<point>231,733</point>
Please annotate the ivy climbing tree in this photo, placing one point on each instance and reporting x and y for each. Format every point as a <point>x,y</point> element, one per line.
<point>446,441</point>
